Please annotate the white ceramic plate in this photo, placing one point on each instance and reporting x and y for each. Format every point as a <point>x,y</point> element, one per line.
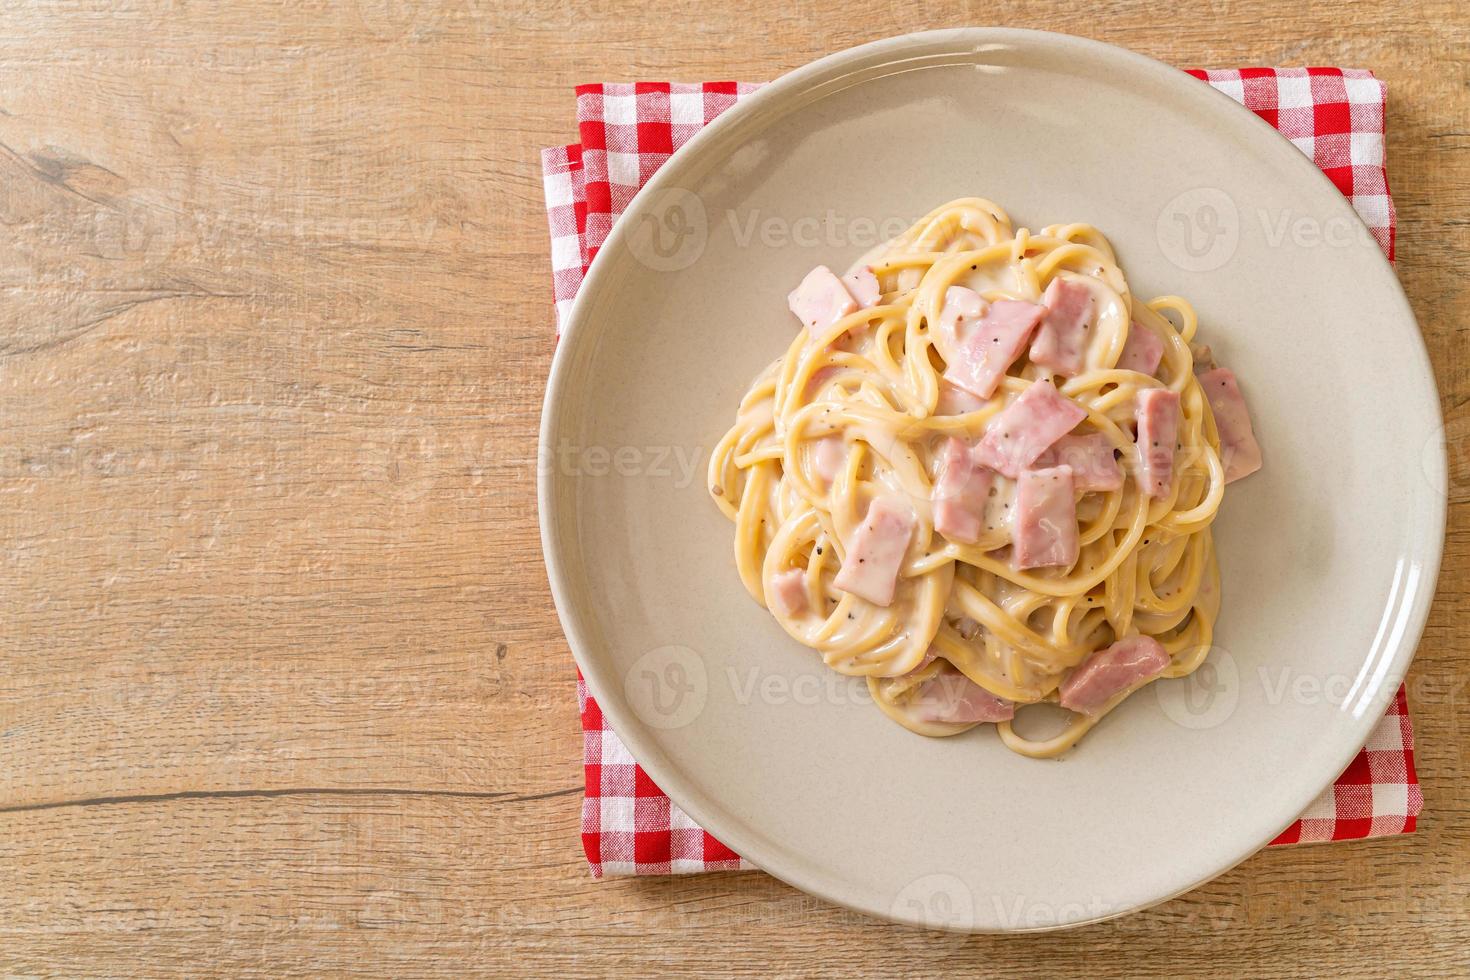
<point>1328,556</point>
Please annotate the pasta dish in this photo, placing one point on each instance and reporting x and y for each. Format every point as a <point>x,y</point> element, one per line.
<point>983,476</point>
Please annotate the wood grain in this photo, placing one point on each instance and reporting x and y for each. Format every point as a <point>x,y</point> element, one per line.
<point>281,686</point>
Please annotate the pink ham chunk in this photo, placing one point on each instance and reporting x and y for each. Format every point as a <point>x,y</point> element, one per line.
<point>984,344</point>
<point>1111,671</point>
<point>962,309</point>
<point>1158,430</point>
<point>960,492</point>
<point>1027,428</point>
<point>1061,340</point>
<point>956,401</point>
<point>953,698</point>
<point>1045,519</point>
<point>829,455</point>
<point>818,378</point>
<point>821,299</point>
<point>1239,450</point>
<point>875,553</point>
<point>1094,466</point>
<point>863,286</point>
<point>788,592</point>
<point>1143,350</point>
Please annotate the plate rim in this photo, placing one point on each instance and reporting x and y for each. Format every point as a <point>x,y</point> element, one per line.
<point>791,85</point>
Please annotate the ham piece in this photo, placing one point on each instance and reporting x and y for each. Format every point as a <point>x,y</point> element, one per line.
<point>875,553</point>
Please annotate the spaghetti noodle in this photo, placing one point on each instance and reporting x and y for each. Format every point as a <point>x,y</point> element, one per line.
<point>969,551</point>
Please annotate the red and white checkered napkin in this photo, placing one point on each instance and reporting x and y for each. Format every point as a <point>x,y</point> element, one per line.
<point>1334,115</point>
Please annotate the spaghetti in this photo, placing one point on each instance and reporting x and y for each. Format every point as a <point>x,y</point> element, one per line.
<point>899,518</point>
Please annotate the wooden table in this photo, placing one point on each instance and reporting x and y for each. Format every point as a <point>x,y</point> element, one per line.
<point>281,686</point>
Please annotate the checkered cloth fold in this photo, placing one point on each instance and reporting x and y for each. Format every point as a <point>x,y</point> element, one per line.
<point>626,132</point>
